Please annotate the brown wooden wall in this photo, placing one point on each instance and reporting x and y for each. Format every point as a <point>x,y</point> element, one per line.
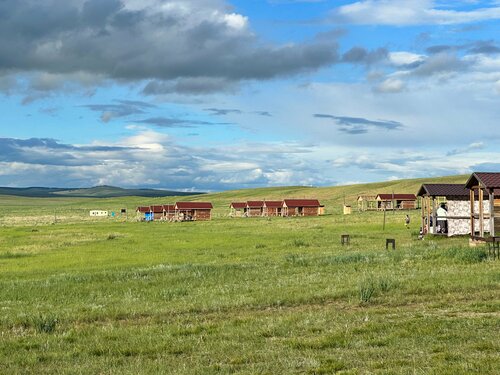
<point>408,205</point>
<point>254,212</point>
<point>310,211</point>
<point>202,215</point>
<point>271,211</point>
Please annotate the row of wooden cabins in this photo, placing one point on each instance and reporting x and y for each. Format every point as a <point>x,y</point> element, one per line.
<point>286,207</point>
<point>180,211</point>
<point>389,202</point>
<point>472,209</point>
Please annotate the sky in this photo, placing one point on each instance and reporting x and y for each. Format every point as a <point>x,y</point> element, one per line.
<point>211,95</point>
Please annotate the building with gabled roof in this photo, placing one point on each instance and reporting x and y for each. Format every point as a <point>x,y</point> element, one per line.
<point>255,208</point>
<point>157,212</point>
<point>238,209</point>
<point>396,201</point>
<point>193,211</point>
<point>272,208</point>
<point>455,198</point>
<point>169,212</point>
<point>301,207</point>
<point>143,213</point>
<point>485,204</point>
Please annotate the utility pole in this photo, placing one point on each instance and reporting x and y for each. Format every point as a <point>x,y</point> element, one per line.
<point>383,228</point>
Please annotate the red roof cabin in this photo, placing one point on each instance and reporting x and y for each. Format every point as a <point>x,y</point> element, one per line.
<point>157,212</point>
<point>396,202</point>
<point>272,208</point>
<point>141,212</point>
<point>169,212</point>
<point>301,207</point>
<point>238,209</point>
<point>193,211</point>
<point>255,208</point>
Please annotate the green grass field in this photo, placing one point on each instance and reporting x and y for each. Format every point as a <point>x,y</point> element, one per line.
<point>249,296</point>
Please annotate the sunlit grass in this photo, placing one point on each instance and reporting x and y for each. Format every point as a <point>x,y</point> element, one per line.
<point>243,296</point>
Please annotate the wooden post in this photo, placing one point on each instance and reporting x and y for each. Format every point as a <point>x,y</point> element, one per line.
<point>472,213</point>
<point>492,212</point>
<point>481,212</point>
<point>423,215</point>
<point>428,203</point>
<point>434,215</point>
<point>384,220</point>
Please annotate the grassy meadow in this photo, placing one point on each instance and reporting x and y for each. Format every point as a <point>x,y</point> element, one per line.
<point>245,296</point>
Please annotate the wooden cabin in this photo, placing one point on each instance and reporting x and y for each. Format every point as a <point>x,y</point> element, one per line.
<point>193,211</point>
<point>272,208</point>
<point>484,204</point>
<point>301,207</point>
<point>143,213</point>
<point>157,212</point>
<point>367,203</point>
<point>456,199</point>
<point>255,208</point>
<point>396,201</point>
<point>169,212</point>
<point>238,209</point>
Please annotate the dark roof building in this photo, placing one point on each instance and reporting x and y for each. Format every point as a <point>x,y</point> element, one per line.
<point>486,188</point>
<point>457,191</point>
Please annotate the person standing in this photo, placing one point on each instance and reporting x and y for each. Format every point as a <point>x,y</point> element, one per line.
<point>442,218</point>
<point>407,221</point>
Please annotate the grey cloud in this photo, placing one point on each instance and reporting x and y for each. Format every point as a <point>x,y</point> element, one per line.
<point>47,151</point>
<point>485,47</point>
<point>441,48</point>
<point>165,122</point>
<point>123,108</point>
<point>190,86</point>
<point>360,55</point>
<point>170,45</point>
<point>357,125</point>
<point>264,113</point>
<point>440,63</point>
<point>223,111</point>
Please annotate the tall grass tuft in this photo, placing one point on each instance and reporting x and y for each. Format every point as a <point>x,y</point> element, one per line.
<point>300,243</point>
<point>366,290</point>
<point>45,324</point>
<point>466,255</point>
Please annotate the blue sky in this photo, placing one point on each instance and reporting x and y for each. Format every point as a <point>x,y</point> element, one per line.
<point>214,95</point>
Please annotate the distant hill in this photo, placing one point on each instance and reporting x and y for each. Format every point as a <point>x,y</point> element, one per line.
<point>94,192</point>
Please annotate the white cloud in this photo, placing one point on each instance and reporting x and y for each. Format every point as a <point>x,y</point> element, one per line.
<point>405,58</point>
<point>409,12</point>
<point>391,85</point>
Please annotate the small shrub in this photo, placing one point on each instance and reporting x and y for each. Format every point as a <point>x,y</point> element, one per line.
<point>44,324</point>
<point>260,246</point>
<point>366,290</point>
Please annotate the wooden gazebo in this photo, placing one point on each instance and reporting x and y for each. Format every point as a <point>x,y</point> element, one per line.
<point>456,197</point>
<point>485,213</point>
